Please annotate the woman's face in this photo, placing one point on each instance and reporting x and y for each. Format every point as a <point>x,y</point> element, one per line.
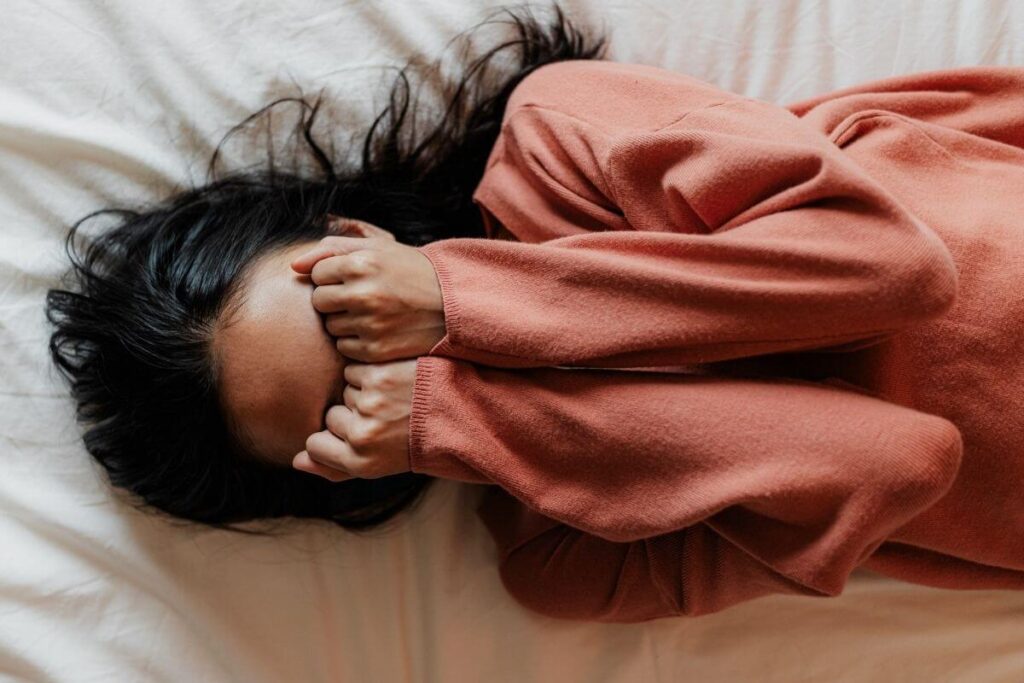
<point>279,369</point>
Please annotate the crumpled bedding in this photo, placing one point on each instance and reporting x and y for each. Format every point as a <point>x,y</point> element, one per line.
<point>120,101</point>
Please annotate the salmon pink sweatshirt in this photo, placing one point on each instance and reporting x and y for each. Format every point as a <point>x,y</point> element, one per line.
<point>715,348</point>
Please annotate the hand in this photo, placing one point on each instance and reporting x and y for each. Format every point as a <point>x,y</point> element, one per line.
<point>380,298</point>
<point>368,437</point>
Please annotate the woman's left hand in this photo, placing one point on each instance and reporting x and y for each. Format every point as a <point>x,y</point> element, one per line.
<point>381,299</point>
<point>368,437</point>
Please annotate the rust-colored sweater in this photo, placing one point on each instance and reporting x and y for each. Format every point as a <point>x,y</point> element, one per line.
<point>727,348</point>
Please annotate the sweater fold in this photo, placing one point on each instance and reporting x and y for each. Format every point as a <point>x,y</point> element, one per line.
<point>715,348</point>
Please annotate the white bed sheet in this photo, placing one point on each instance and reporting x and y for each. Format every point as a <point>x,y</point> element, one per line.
<point>121,99</point>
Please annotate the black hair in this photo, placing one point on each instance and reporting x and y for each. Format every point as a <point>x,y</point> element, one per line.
<point>131,333</point>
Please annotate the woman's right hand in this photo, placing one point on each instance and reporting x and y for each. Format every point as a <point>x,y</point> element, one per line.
<point>368,436</point>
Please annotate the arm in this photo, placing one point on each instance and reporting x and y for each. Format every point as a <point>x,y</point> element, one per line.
<point>562,572</point>
<point>980,100</point>
<point>736,230</point>
<point>773,483</point>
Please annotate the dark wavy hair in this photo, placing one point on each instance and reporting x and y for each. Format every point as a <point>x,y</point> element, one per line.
<point>131,333</point>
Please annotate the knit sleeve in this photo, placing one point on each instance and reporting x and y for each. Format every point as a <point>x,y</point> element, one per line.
<point>774,483</point>
<point>733,231</point>
<point>559,571</point>
<point>979,100</point>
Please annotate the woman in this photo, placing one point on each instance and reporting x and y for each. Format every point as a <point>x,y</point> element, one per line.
<point>707,348</point>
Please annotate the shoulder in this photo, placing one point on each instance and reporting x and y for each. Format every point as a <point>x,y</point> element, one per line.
<point>613,93</point>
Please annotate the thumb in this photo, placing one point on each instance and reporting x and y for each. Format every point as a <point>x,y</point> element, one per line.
<point>303,463</point>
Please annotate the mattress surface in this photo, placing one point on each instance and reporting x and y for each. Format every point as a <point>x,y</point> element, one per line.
<point>118,101</point>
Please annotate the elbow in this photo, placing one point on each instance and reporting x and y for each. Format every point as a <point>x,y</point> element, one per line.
<point>934,456</point>
<point>578,577</point>
<point>930,289</point>
<point>537,575</point>
<point>531,584</point>
<point>927,454</point>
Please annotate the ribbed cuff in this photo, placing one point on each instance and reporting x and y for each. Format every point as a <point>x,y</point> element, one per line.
<point>422,389</point>
<point>452,312</point>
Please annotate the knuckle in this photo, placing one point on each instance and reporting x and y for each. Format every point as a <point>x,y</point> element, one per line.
<point>355,294</point>
<point>377,348</point>
<point>376,376</point>
<point>335,419</point>
<point>314,442</point>
<point>386,380</point>
<point>351,373</point>
<point>356,266</point>
<point>350,396</point>
<point>374,403</point>
<point>334,325</point>
<point>353,348</point>
<point>369,297</point>
<point>316,274</point>
<point>348,346</point>
<point>363,262</point>
<point>368,432</point>
<point>321,298</point>
<point>364,324</point>
<point>375,429</point>
<point>359,436</point>
<point>364,351</point>
<point>378,325</point>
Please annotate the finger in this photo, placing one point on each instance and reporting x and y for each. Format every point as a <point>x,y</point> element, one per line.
<point>340,225</point>
<point>334,299</point>
<point>364,350</point>
<point>356,373</point>
<point>333,245</point>
<point>349,396</point>
<point>344,324</point>
<point>338,419</point>
<point>367,229</point>
<point>354,226</point>
<point>304,263</point>
<point>351,348</point>
<point>331,451</point>
<point>304,463</point>
<point>333,270</point>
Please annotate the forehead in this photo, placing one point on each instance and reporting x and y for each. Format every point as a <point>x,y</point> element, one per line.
<point>277,364</point>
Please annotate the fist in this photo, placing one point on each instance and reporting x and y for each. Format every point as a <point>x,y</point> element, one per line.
<point>368,436</point>
<point>381,299</point>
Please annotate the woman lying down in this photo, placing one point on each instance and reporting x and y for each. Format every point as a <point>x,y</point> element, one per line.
<point>705,348</point>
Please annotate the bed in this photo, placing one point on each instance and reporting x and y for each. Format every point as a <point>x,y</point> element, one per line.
<point>116,100</point>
